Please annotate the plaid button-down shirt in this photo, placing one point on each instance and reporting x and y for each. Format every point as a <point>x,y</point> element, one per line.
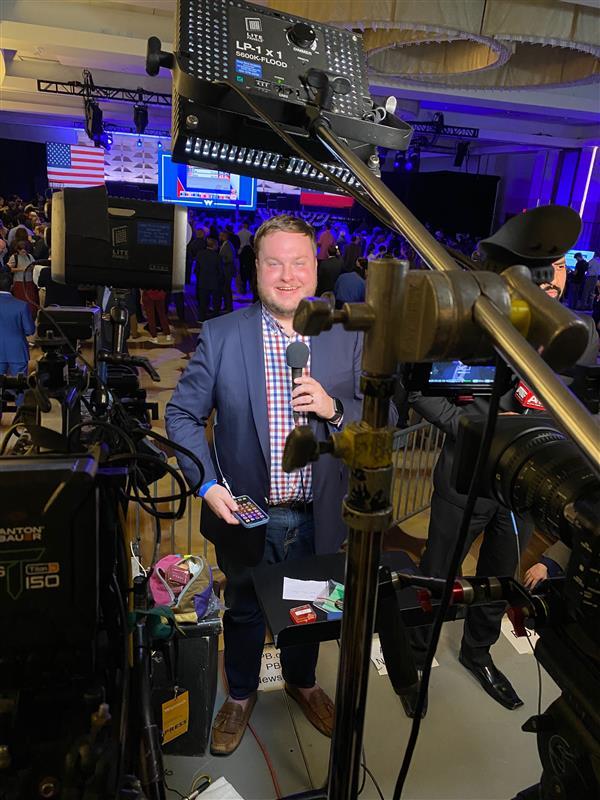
<point>278,378</point>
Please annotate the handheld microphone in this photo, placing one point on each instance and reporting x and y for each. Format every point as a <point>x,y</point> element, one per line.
<point>296,356</point>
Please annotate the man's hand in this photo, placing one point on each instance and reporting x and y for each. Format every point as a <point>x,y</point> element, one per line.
<point>535,574</point>
<point>221,503</point>
<point>310,397</point>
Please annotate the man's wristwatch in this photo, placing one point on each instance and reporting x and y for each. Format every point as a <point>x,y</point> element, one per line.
<point>339,412</point>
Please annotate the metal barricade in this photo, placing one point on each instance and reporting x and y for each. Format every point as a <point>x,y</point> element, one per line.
<point>178,536</point>
<point>416,450</point>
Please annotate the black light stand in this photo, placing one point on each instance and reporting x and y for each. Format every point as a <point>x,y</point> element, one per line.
<point>367,511</point>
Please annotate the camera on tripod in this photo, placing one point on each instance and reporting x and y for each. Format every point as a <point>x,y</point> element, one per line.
<point>74,703</point>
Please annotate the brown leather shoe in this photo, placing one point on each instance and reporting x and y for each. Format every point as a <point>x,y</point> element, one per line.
<point>229,726</point>
<point>317,708</point>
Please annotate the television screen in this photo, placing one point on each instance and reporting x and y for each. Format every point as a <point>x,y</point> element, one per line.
<point>455,372</point>
<point>570,257</point>
<point>208,188</point>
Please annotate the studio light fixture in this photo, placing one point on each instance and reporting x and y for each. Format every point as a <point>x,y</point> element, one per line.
<point>399,159</point>
<point>462,151</point>
<point>412,161</point>
<point>140,118</point>
<point>94,127</point>
<point>93,121</point>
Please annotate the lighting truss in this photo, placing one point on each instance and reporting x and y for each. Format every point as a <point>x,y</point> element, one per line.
<point>444,130</point>
<point>78,89</point>
<point>111,127</point>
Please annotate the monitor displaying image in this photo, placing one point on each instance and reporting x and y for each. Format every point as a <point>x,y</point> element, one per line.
<point>455,372</point>
<point>198,186</point>
<point>570,257</point>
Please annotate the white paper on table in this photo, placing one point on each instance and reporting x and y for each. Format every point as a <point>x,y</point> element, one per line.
<point>221,790</point>
<point>377,656</point>
<point>308,591</point>
<point>520,643</point>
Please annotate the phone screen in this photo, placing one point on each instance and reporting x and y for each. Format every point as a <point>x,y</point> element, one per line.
<point>249,513</point>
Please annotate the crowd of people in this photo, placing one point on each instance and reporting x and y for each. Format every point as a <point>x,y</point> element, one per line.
<point>221,253</point>
<point>221,263</point>
<point>240,370</point>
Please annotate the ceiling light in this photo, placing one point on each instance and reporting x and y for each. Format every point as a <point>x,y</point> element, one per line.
<point>140,118</point>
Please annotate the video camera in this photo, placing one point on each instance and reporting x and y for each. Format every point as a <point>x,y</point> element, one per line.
<point>536,471</point>
<point>75,705</point>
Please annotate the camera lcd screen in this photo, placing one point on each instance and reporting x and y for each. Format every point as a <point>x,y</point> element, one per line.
<point>459,374</point>
<point>452,379</point>
<point>154,233</point>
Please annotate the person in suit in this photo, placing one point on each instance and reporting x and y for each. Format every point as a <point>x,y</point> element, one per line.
<point>352,252</point>
<point>208,279</point>
<point>195,246</point>
<point>578,281</point>
<point>248,267</point>
<point>239,371</point>
<point>329,271</point>
<point>227,257</point>
<point>16,324</point>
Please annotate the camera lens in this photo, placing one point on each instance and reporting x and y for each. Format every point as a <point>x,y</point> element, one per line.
<point>540,473</point>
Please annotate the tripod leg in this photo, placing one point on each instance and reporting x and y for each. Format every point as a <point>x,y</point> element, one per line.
<point>151,763</point>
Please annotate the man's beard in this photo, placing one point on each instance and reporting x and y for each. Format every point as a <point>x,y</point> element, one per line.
<point>277,310</point>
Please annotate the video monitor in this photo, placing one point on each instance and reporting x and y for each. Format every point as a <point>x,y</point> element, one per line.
<point>570,257</point>
<point>208,188</point>
<point>455,377</point>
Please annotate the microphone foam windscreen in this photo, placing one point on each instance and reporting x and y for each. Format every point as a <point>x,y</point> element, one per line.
<point>296,355</point>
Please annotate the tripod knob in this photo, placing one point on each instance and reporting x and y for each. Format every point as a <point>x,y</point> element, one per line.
<point>302,447</point>
<point>302,35</point>
<point>313,316</point>
<point>156,57</point>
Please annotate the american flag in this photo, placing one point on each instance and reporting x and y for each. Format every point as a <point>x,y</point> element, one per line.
<point>72,165</point>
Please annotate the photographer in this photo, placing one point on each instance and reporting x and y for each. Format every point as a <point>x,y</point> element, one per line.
<point>240,371</point>
<point>504,535</point>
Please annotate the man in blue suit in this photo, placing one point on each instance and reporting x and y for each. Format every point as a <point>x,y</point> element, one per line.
<point>239,371</point>
<point>15,325</point>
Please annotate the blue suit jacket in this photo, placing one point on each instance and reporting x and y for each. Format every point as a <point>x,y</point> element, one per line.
<point>227,373</point>
<point>15,325</point>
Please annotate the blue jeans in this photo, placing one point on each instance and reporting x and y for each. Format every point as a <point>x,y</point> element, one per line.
<point>289,535</point>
